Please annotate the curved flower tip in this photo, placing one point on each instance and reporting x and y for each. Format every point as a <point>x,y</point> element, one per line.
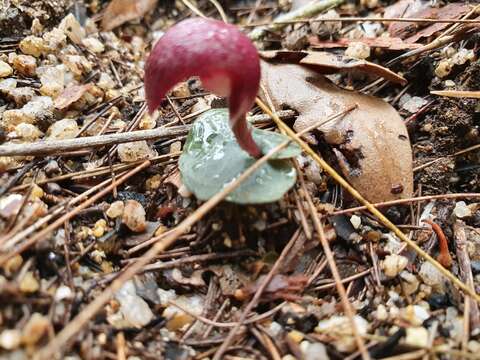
<point>225,60</point>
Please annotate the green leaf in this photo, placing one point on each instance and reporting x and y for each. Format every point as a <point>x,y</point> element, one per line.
<point>211,159</point>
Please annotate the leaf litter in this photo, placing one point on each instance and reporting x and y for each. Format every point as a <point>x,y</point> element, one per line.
<point>63,78</point>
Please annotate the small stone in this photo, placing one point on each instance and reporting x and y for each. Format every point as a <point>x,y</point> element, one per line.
<point>94,45</point>
<point>432,277</point>
<point>410,282</point>
<point>134,151</point>
<point>356,221</point>
<point>29,284</point>
<point>28,132</point>
<point>274,329</point>
<point>72,28</point>
<point>32,45</point>
<point>414,104</point>
<point>417,337</point>
<point>358,50</point>
<point>443,68</point>
<point>461,210</point>
<point>134,216</point>
<point>340,327</point>
<point>181,90</point>
<point>177,318</point>
<point>394,264</point>
<point>115,209</point>
<point>37,27</point>
<point>316,351</point>
<point>63,129</point>
<point>54,40</point>
<point>5,69</point>
<point>13,265</point>
<point>370,4</point>
<point>415,314</point>
<point>78,65</point>
<point>153,183</point>
<point>326,29</point>
<point>7,85</point>
<point>10,339</point>
<point>36,328</point>
<point>175,147</point>
<point>63,293</point>
<point>99,228</point>
<point>52,168</point>
<point>25,65</point>
<point>22,95</point>
<point>295,336</point>
<point>147,122</point>
<point>381,313</point>
<point>105,82</point>
<point>134,309</point>
<point>52,79</point>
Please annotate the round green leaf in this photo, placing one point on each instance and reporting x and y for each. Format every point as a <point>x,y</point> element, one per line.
<point>212,158</point>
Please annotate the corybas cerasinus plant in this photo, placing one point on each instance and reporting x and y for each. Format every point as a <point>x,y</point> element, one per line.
<point>225,60</point>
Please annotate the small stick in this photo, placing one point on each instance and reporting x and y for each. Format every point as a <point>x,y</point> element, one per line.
<point>407,201</point>
<point>60,146</point>
<point>465,266</point>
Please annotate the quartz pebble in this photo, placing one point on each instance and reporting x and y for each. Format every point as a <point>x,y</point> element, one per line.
<point>417,336</point>
<point>356,221</point>
<point>32,45</point>
<point>178,319</point>
<point>25,65</point>
<point>5,69</point>
<point>316,351</point>
<point>36,327</point>
<point>29,284</point>
<point>105,82</point>
<point>358,50</point>
<point>134,216</point>
<point>72,28</point>
<point>461,210</point>
<point>94,45</point>
<point>115,210</point>
<point>52,79</point>
<point>340,325</point>
<point>394,264</point>
<point>133,308</point>
<point>133,151</point>
<point>10,339</point>
<point>63,129</point>
<point>27,132</point>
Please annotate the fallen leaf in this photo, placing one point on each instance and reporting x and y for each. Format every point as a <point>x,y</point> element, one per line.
<point>119,12</point>
<point>371,142</point>
<point>70,95</point>
<point>211,152</point>
<point>327,63</point>
<point>450,11</point>
<point>404,30</point>
<point>389,43</point>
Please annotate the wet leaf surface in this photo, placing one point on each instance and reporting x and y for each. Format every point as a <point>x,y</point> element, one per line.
<point>212,158</point>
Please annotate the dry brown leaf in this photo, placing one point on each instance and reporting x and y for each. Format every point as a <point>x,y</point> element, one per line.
<point>70,95</point>
<point>327,63</point>
<point>389,43</point>
<point>371,142</point>
<point>404,30</point>
<point>119,12</point>
<point>450,11</point>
